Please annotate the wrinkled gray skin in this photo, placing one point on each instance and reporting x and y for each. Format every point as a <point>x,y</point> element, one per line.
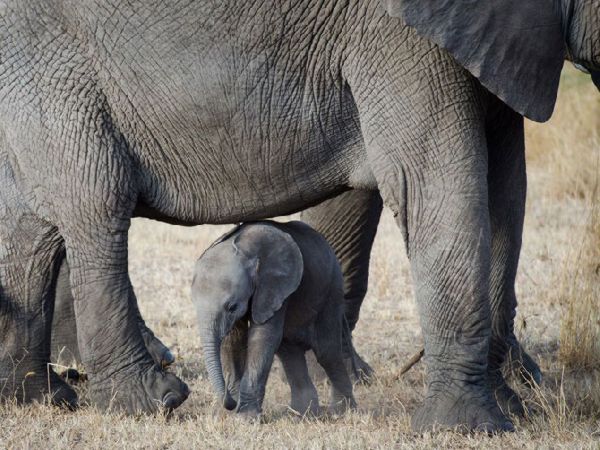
<point>64,347</point>
<point>280,287</point>
<point>217,112</point>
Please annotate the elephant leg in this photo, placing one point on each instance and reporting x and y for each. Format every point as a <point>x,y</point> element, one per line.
<point>233,357</point>
<point>65,349</point>
<point>263,341</point>
<point>349,223</point>
<point>328,349</point>
<point>122,373</point>
<point>29,258</point>
<point>507,191</point>
<point>428,152</point>
<point>305,398</point>
<point>450,257</point>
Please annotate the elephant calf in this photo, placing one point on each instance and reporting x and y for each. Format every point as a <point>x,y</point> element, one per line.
<point>269,288</point>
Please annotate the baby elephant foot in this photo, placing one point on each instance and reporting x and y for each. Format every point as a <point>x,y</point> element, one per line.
<point>339,405</point>
<point>248,408</point>
<point>26,386</point>
<point>310,408</point>
<point>139,390</point>
<point>465,408</point>
<point>248,414</point>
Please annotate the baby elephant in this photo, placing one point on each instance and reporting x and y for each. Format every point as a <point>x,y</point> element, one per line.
<point>269,288</point>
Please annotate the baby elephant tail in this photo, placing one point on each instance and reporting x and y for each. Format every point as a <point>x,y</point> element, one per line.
<point>360,370</point>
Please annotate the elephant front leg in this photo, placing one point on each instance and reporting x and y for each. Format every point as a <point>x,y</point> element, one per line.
<point>263,341</point>
<point>427,149</point>
<point>65,349</point>
<point>233,357</point>
<point>122,373</point>
<point>450,257</point>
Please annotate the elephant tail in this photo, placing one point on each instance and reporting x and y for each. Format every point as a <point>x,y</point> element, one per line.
<point>348,348</point>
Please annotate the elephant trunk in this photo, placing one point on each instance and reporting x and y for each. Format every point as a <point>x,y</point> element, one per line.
<point>212,357</point>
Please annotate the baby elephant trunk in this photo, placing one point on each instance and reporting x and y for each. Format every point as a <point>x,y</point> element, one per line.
<point>212,357</point>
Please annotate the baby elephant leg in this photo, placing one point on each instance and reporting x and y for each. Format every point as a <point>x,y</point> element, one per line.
<point>305,399</point>
<point>329,352</point>
<point>233,357</point>
<point>263,341</point>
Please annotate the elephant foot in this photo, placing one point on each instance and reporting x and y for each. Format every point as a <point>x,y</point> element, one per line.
<point>248,414</point>
<point>466,408</point>
<point>26,386</point>
<point>306,406</point>
<point>509,401</point>
<point>522,366</point>
<point>139,390</point>
<point>339,405</point>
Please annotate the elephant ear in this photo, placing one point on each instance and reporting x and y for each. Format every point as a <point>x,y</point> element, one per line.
<point>277,268</point>
<point>516,48</point>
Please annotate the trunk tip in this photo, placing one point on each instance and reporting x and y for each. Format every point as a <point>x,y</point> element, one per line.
<point>228,402</point>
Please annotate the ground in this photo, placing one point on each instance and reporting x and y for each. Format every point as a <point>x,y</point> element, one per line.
<point>558,321</point>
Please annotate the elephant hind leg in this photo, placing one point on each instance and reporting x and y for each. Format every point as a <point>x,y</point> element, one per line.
<point>328,349</point>
<point>30,251</point>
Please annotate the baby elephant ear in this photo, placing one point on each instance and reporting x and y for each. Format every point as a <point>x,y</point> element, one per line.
<point>514,47</point>
<point>278,269</point>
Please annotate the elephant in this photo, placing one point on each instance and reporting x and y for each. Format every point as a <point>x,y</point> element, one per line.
<point>221,112</point>
<point>280,287</point>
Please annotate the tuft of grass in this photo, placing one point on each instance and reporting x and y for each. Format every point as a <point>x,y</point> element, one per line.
<point>568,150</point>
<point>579,292</point>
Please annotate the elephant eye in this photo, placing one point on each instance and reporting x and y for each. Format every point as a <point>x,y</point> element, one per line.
<point>231,307</point>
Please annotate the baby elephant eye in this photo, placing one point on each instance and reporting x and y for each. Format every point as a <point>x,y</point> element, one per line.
<point>231,307</point>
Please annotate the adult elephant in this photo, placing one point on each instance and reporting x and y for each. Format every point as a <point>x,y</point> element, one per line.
<point>215,112</point>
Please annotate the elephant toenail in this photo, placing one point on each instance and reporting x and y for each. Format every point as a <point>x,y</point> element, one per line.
<point>508,427</point>
<point>167,358</point>
<point>485,427</point>
<point>171,401</point>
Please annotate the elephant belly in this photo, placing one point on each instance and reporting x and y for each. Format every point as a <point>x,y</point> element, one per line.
<point>231,129</point>
<point>259,163</point>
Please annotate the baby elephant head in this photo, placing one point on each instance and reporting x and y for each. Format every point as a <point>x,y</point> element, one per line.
<point>247,274</point>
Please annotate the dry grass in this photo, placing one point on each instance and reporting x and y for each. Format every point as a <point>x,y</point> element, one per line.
<point>557,280</point>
